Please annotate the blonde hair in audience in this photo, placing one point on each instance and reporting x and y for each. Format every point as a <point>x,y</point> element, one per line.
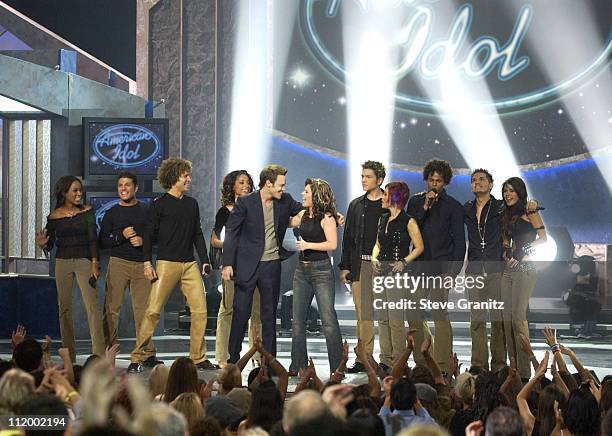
<point>190,405</point>
<point>158,380</point>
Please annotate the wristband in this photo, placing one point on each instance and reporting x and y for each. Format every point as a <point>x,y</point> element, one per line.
<point>555,348</point>
<point>70,396</point>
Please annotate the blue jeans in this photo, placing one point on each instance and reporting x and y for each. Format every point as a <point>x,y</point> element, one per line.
<point>314,279</point>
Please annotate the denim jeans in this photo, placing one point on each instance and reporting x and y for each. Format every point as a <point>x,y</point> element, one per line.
<point>314,279</point>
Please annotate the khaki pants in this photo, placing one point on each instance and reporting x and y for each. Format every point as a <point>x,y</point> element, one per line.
<point>363,299</point>
<point>443,344</point>
<point>478,326</point>
<point>66,270</point>
<point>416,320</point>
<point>391,327</point>
<point>516,289</point>
<point>224,321</point>
<point>188,275</point>
<point>121,274</point>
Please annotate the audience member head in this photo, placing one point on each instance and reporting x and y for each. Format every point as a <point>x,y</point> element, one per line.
<point>504,421</point>
<point>45,404</point>
<point>266,406</point>
<point>205,426</point>
<point>252,375</point>
<point>606,396</point>
<point>464,388</point>
<point>546,408</point>
<point>167,421</point>
<point>16,387</point>
<point>486,395</point>
<point>303,407</point>
<point>364,422</point>
<point>229,378</point>
<point>190,405</point>
<point>222,409</point>
<point>241,398</point>
<point>423,430</point>
<point>28,355</point>
<point>5,365</point>
<point>582,413</point>
<point>476,370</point>
<point>403,394</point>
<point>158,380</point>
<point>606,424</point>
<point>183,377</point>
<point>422,374</point>
<point>321,426</point>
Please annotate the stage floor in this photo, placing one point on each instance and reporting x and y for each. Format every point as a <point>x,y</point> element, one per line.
<point>595,355</point>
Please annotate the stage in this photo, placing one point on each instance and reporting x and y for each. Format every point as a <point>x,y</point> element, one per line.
<point>595,355</point>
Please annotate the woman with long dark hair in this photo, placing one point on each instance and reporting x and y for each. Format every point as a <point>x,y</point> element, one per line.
<point>522,231</point>
<point>235,184</point>
<point>314,275</point>
<point>183,377</point>
<point>71,227</point>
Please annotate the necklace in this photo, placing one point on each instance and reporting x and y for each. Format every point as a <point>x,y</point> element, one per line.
<point>483,244</point>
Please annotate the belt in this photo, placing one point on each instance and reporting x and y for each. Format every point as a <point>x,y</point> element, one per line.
<point>366,257</point>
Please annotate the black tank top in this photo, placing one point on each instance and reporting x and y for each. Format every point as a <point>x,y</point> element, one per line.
<point>523,233</point>
<point>394,240</point>
<point>311,231</point>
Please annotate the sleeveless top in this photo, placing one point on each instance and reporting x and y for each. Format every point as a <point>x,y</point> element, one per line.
<point>523,233</point>
<point>311,231</point>
<point>394,240</point>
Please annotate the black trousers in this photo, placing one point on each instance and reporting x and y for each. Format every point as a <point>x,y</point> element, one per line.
<point>266,278</point>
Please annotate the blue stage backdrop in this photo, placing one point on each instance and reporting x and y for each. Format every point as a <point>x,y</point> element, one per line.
<point>575,195</point>
<point>534,78</point>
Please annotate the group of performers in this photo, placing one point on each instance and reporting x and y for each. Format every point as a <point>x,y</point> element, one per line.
<point>385,232</point>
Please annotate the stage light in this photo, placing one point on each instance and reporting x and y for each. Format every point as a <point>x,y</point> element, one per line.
<point>261,49</point>
<point>249,140</point>
<point>559,42</point>
<point>546,252</point>
<point>468,114</point>
<point>370,55</point>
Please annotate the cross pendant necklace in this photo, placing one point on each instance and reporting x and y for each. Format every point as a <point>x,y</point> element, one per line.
<point>483,244</point>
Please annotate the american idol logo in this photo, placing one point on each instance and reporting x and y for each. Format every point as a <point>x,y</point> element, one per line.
<point>126,145</point>
<point>101,211</point>
<point>429,39</point>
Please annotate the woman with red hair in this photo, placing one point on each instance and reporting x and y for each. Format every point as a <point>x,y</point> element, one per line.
<point>391,254</point>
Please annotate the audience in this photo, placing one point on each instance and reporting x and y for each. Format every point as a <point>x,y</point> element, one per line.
<point>419,401</point>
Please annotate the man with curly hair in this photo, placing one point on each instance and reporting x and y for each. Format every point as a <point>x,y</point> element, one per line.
<point>174,222</point>
<point>440,218</point>
<point>357,245</point>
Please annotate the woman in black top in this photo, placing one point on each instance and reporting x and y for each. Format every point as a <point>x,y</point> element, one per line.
<point>314,274</point>
<point>72,228</point>
<point>235,184</point>
<point>521,232</point>
<point>391,254</point>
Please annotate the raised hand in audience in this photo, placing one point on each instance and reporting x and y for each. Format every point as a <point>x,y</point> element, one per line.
<point>18,336</point>
<point>362,355</point>
<point>339,373</point>
<point>474,429</point>
<point>111,353</point>
<point>206,390</point>
<point>337,397</point>
<point>400,364</point>
<point>521,398</point>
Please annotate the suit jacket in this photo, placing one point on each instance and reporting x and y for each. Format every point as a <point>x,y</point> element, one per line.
<point>244,232</point>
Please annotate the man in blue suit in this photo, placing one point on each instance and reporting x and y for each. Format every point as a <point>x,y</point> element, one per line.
<point>252,254</point>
